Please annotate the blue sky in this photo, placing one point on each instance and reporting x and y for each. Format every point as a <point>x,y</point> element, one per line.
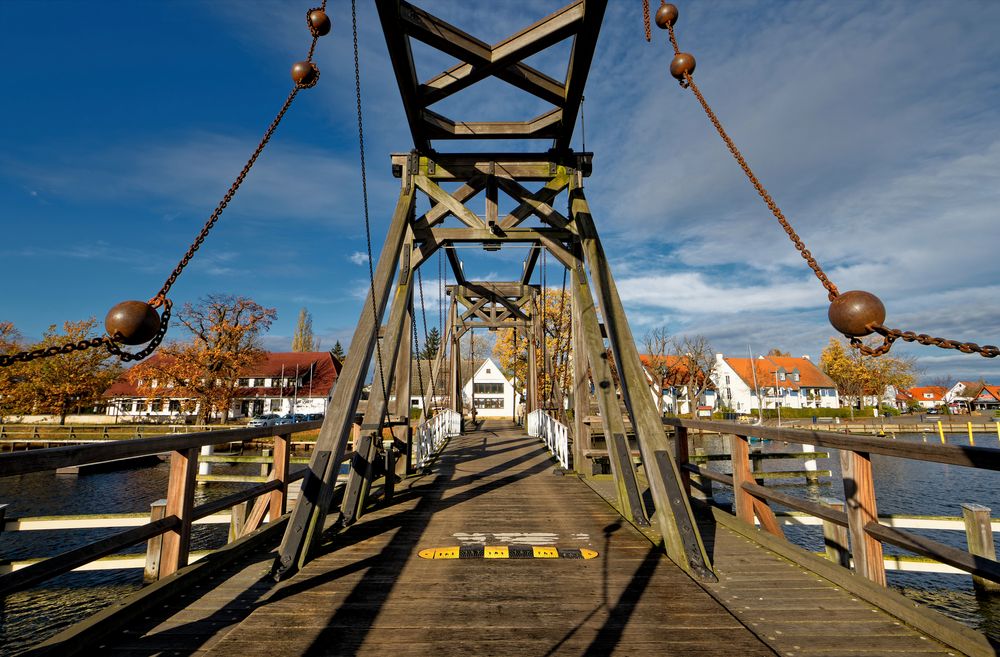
<point>876,126</point>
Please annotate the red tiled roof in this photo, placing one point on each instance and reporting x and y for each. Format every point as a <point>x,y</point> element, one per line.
<point>937,393</point>
<point>325,370</point>
<point>677,369</point>
<point>810,376</point>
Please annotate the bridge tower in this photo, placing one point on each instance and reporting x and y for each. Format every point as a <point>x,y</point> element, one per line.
<point>600,330</point>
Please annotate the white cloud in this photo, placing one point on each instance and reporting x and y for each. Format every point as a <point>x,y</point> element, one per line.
<point>358,258</point>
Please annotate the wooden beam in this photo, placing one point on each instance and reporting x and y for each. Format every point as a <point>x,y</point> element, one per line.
<point>308,517</point>
<point>676,521</point>
<point>442,211</point>
<point>580,59</point>
<point>180,502</point>
<point>438,195</point>
<point>529,265</point>
<point>402,64</point>
<point>543,126</point>
<point>456,265</point>
<point>514,235</point>
<point>537,203</point>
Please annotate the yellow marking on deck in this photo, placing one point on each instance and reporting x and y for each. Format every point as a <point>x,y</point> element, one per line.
<point>588,554</point>
<point>496,552</point>
<point>544,552</point>
<point>446,553</point>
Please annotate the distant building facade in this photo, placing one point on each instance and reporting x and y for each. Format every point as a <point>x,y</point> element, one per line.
<point>929,396</point>
<point>744,385</point>
<point>489,391</point>
<point>284,382</point>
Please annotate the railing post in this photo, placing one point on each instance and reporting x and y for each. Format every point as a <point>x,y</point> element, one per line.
<point>281,460</point>
<point>859,494</point>
<point>237,521</point>
<point>154,546</point>
<point>739,450</point>
<point>683,457</point>
<point>180,501</point>
<point>979,534</point>
<point>835,536</point>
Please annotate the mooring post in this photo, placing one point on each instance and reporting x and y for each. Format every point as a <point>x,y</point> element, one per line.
<point>810,465</point>
<point>979,534</point>
<point>835,536</point>
<point>204,467</point>
<point>859,495</point>
<point>157,511</point>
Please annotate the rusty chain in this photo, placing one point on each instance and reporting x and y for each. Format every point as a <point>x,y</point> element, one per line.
<point>889,335</point>
<point>160,299</point>
<point>645,20</point>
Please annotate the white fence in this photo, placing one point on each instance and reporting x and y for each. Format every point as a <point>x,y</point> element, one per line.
<point>553,433</point>
<point>431,434</point>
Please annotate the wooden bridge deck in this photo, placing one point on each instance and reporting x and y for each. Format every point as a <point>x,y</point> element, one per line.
<point>374,594</point>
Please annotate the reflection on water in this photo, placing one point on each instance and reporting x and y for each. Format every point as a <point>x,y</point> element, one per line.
<point>902,486</point>
<point>29,617</point>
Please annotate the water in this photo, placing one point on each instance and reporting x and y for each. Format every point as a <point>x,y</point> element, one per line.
<point>28,617</point>
<point>902,486</point>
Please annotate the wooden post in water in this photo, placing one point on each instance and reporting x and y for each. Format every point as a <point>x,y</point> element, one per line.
<point>180,501</point>
<point>979,534</point>
<point>859,493</point>
<point>157,511</point>
<point>739,449</point>
<point>941,432</point>
<point>279,497</point>
<point>835,536</point>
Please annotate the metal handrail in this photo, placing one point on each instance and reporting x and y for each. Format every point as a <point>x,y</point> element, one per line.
<point>553,433</point>
<point>432,433</point>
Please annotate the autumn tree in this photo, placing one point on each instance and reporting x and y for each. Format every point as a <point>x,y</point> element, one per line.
<point>657,344</point>
<point>858,376</point>
<point>68,382</point>
<point>203,371</point>
<point>513,356</point>
<point>695,362</point>
<point>779,353</point>
<point>12,380</point>
<point>303,339</point>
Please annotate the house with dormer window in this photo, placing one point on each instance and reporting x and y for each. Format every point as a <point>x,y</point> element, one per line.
<point>745,384</point>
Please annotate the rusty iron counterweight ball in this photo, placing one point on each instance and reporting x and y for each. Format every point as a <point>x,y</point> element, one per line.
<point>666,15</point>
<point>681,64</point>
<point>319,22</point>
<point>132,322</point>
<point>853,312</point>
<point>304,73</point>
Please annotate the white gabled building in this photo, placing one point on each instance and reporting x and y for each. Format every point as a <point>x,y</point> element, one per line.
<point>490,391</point>
<point>745,385</point>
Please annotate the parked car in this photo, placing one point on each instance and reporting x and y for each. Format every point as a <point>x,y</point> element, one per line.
<point>263,420</point>
<point>314,416</point>
<point>933,411</point>
<point>290,419</point>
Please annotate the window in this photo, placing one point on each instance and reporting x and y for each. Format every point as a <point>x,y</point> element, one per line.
<point>275,405</point>
<point>258,383</point>
<point>488,370</point>
<point>489,402</point>
<point>727,379</point>
<point>487,388</point>
<point>175,406</point>
<point>781,376</point>
<point>243,383</point>
<point>795,376</point>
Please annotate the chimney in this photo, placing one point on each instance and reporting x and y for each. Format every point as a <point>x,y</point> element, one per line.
<point>806,357</point>
<point>718,358</point>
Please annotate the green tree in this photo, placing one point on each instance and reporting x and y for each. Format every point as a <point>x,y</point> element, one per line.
<point>431,344</point>
<point>303,339</point>
<point>68,382</point>
<point>338,351</point>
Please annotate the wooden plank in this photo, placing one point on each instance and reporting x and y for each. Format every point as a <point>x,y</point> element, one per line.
<point>739,450</point>
<point>180,503</point>
<point>441,211</point>
<point>537,203</point>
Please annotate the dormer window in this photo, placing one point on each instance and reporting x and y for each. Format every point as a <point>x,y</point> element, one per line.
<point>781,376</point>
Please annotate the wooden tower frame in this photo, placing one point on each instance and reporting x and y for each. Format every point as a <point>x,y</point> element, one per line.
<point>571,238</point>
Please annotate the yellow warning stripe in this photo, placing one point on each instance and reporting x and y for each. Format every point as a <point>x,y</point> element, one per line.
<point>506,552</point>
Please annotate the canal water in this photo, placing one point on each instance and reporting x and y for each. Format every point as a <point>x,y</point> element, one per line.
<point>902,486</point>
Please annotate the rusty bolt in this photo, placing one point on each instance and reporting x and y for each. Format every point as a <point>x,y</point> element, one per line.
<point>853,312</point>
<point>304,73</point>
<point>319,22</point>
<point>132,322</point>
<point>666,15</point>
<point>681,64</point>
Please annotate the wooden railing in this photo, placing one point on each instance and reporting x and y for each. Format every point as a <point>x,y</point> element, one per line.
<point>168,532</point>
<point>859,513</point>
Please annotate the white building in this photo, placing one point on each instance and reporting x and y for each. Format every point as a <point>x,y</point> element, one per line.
<point>772,381</point>
<point>490,392</point>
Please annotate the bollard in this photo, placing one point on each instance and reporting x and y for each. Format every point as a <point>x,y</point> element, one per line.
<point>979,534</point>
<point>810,465</point>
<point>972,441</point>
<point>151,573</point>
<point>941,432</point>
<point>205,468</point>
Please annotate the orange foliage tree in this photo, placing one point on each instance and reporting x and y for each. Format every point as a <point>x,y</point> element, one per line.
<point>513,356</point>
<point>202,372</point>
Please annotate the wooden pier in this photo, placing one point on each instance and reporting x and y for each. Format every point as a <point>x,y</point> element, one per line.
<point>369,591</point>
